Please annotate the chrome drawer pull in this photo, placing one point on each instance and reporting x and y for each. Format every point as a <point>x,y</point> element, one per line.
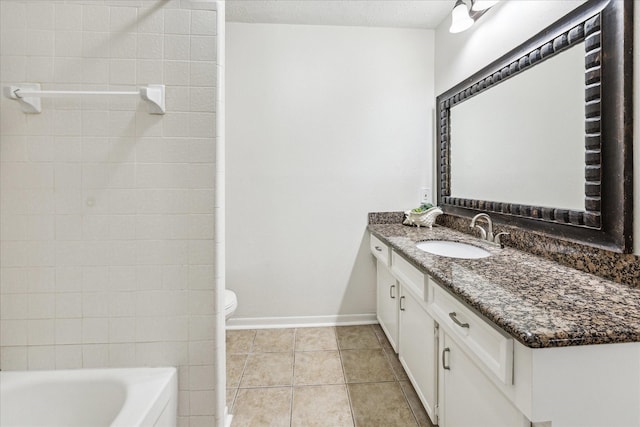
<point>453,317</point>
<point>444,352</point>
<point>401,306</point>
<point>378,248</point>
<point>391,288</point>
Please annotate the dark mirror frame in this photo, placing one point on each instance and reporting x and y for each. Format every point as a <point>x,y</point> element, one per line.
<point>606,28</point>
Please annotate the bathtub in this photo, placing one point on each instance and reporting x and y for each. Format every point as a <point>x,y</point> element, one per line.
<point>89,397</point>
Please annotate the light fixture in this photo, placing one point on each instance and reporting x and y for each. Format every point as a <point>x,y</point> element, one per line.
<point>463,17</point>
<point>479,5</point>
<point>460,19</point>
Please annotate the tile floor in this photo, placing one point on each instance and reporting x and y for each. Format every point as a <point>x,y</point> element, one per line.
<point>333,377</point>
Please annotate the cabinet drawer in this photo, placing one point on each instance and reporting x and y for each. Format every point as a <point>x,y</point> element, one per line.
<point>488,345</point>
<point>408,275</point>
<point>379,249</point>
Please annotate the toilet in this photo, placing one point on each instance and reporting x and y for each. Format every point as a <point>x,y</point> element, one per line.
<point>230,303</point>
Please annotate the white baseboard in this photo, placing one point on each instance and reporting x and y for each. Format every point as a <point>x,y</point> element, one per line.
<point>300,321</point>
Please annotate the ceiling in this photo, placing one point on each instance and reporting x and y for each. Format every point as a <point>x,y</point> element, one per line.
<point>368,13</point>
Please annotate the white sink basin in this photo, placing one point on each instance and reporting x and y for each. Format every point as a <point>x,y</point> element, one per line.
<point>453,249</point>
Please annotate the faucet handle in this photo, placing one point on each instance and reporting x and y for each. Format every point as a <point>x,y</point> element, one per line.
<point>483,233</point>
<point>496,238</point>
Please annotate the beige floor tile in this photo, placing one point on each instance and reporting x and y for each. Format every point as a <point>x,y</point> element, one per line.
<point>395,364</point>
<point>268,407</point>
<point>382,338</point>
<point>356,337</point>
<point>316,339</point>
<point>321,406</point>
<point>366,366</point>
<point>235,367</point>
<point>380,405</point>
<point>273,341</point>
<point>231,397</point>
<point>415,404</point>
<point>317,367</point>
<point>240,341</point>
<point>268,370</point>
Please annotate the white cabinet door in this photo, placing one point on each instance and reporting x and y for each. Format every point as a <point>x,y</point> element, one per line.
<point>418,350</point>
<point>387,305</point>
<point>467,397</point>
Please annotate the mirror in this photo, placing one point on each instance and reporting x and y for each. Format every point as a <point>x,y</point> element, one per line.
<point>541,138</point>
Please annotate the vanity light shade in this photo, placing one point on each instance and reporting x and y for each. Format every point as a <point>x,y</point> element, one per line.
<point>460,19</point>
<point>479,5</point>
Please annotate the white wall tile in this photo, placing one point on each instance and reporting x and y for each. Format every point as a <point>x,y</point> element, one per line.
<point>41,357</point>
<point>68,305</point>
<point>95,45</point>
<point>123,45</point>
<point>203,22</point>
<point>122,71</point>
<point>95,355</point>
<point>13,68</point>
<point>99,199</point>
<point>13,332</point>
<point>39,69</point>
<point>14,306</point>
<point>203,48</point>
<point>13,42</point>
<point>149,71</point>
<point>123,19</point>
<point>14,358</point>
<point>13,15</point>
<point>68,43</point>
<point>95,330</point>
<point>68,356</point>
<point>203,73</point>
<point>176,47</point>
<point>40,16</point>
<point>68,148</point>
<point>151,22</point>
<point>68,17</point>
<point>41,306</point>
<point>95,18</point>
<point>200,402</point>
<point>68,331</point>
<point>68,279</point>
<point>95,70</point>
<point>176,73</point>
<point>122,355</point>
<point>40,331</point>
<point>177,21</point>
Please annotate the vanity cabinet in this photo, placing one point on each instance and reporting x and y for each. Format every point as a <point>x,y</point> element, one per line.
<point>418,349</point>
<point>387,303</point>
<point>387,292</point>
<point>467,397</point>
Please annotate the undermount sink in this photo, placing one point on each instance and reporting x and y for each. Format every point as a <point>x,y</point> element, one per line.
<point>453,249</point>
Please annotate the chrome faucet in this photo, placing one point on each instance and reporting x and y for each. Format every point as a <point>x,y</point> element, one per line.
<point>488,233</point>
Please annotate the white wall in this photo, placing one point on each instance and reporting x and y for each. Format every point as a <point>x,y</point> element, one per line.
<point>106,212</point>
<point>324,124</point>
<point>504,27</point>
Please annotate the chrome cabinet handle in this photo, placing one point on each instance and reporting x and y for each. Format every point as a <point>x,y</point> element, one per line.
<point>401,306</point>
<point>444,352</point>
<point>453,317</point>
<point>378,248</point>
<point>391,288</point>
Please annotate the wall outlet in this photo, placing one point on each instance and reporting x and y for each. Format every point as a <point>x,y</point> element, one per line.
<point>425,195</point>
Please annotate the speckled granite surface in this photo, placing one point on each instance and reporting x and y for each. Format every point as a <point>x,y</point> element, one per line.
<point>621,268</point>
<point>539,302</point>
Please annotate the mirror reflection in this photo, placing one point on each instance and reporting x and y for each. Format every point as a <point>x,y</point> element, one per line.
<point>523,140</point>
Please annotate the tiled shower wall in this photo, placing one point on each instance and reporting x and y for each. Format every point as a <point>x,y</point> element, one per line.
<point>106,211</point>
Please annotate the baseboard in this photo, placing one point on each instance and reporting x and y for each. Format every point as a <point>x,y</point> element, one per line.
<point>300,321</point>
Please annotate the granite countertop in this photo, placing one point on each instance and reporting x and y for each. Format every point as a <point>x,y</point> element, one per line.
<point>539,302</point>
